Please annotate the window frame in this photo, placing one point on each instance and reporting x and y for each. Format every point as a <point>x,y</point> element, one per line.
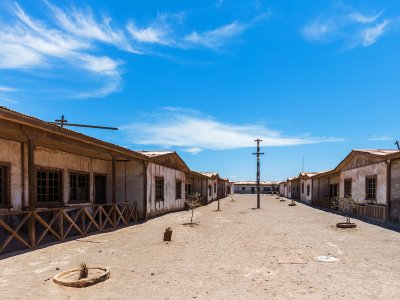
<point>371,177</point>
<point>162,185</point>
<point>308,190</point>
<point>347,183</point>
<point>302,187</point>
<point>6,202</point>
<point>48,203</point>
<point>79,173</point>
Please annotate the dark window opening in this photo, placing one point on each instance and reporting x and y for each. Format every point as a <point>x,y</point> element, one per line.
<point>215,187</point>
<point>159,189</point>
<point>243,188</point>
<point>370,187</point>
<point>4,201</point>
<point>209,190</point>
<point>302,187</point>
<point>78,187</point>
<point>347,188</point>
<point>308,190</point>
<point>334,190</point>
<point>48,186</point>
<point>178,190</point>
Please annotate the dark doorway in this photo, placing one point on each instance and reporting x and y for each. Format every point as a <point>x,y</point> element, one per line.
<point>100,189</point>
<point>253,190</point>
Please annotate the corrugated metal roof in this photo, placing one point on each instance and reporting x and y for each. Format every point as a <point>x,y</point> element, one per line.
<point>154,153</point>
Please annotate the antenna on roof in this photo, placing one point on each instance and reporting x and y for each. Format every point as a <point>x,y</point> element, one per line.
<point>302,165</point>
<point>397,144</point>
<point>63,122</point>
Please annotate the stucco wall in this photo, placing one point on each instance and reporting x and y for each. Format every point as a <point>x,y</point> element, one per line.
<point>170,177</point>
<point>395,192</point>
<point>358,175</point>
<point>303,196</point>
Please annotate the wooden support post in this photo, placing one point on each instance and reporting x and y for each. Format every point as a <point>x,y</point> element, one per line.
<point>31,192</point>
<point>114,191</point>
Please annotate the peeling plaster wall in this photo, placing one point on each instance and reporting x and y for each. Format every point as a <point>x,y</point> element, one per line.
<point>358,189</point>
<point>135,185</point>
<point>303,196</point>
<point>394,213</point>
<point>170,177</point>
<point>10,153</point>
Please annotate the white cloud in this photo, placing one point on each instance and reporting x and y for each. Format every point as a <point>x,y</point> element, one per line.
<point>7,89</point>
<point>317,30</point>
<point>217,37</point>
<point>194,133</point>
<point>352,28</point>
<point>380,138</point>
<point>370,36</point>
<point>364,19</point>
<point>151,34</point>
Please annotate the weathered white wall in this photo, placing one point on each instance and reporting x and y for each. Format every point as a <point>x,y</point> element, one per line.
<point>67,162</point>
<point>135,185</point>
<point>303,196</point>
<point>10,152</point>
<point>170,177</point>
<point>394,213</point>
<point>358,175</point>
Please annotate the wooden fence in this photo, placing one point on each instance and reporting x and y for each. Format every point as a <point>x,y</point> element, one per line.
<point>30,229</point>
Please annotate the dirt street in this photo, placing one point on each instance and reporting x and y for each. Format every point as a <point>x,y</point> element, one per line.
<point>237,253</point>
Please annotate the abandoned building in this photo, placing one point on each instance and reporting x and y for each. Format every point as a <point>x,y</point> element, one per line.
<point>371,178</point>
<point>56,183</point>
<point>250,187</point>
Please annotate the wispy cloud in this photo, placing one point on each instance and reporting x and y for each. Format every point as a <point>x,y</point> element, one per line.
<point>73,40</point>
<point>352,28</point>
<point>370,36</point>
<point>5,92</point>
<point>380,138</point>
<point>194,132</point>
<point>217,37</point>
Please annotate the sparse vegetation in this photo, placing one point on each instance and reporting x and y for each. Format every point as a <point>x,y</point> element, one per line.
<point>83,271</point>
<point>193,201</point>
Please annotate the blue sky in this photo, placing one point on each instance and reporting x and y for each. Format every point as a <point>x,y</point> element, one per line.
<point>313,79</point>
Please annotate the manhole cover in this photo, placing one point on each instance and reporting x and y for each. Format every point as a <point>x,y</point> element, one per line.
<point>326,259</point>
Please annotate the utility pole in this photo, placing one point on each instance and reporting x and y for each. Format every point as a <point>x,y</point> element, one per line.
<point>258,153</point>
<point>398,145</point>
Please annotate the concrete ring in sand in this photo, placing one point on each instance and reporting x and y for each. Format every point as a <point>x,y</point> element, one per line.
<point>70,277</point>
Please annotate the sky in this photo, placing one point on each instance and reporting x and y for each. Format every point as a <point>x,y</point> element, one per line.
<point>312,79</point>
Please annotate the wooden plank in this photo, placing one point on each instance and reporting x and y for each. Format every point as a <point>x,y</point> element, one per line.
<point>47,227</point>
<point>14,233</point>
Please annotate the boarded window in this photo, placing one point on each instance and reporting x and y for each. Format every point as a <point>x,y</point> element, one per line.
<point>308,190</point>
<point>370,183</point>
<point>78,187</point>
<point>4,201</point>
<point>48,186</point>
<point>159,189</point>
<point>347,188</point>
<point>178,190</point>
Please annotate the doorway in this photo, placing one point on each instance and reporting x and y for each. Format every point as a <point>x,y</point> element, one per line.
<point>100,189</point>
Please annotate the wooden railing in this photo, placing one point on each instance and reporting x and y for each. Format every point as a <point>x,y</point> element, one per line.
<point>29,229</point>
<point>325,202</point>
<point>376,212</point>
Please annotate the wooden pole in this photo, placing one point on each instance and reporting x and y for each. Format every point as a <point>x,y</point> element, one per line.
<point>31,191</point>
<point>114,190</point>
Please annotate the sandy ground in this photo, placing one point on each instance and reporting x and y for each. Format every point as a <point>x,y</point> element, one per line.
<point>238,253</point>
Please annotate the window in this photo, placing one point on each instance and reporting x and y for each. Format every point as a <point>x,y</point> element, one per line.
<point>178,190</point>
<point>308,190</point>
<point>347,188</point>
<point>48,186</point>
<point>370,184</point>
<point>4,197</point>
<point>243,188</point>
<point>215,187</point>
<point>290,188</point>
<point>209,190</point>
<point>78,187</point>
<point>159,189</point>
<point>334,190</point>
<point>302,187</point>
